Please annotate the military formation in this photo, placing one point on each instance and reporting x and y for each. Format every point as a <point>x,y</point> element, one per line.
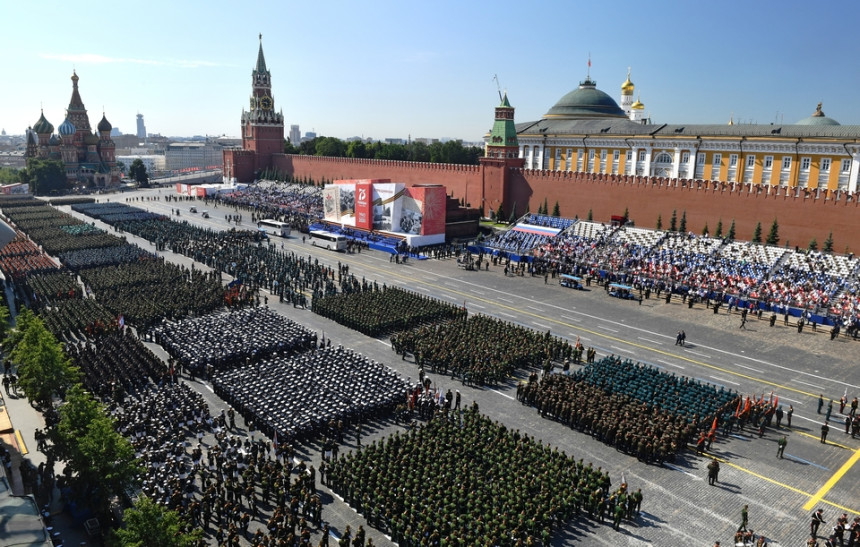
<point>225,339</point>
<point>478,349</point>
<point>384,310</point>
<point>462,479</point>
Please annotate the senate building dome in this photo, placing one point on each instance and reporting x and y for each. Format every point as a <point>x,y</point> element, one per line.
<point>818,118</point>
<point>586,101</point>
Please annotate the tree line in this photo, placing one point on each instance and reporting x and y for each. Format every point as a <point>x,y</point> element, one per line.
<point>437,152</point>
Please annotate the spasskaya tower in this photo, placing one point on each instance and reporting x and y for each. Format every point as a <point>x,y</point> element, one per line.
<point>262,129</point>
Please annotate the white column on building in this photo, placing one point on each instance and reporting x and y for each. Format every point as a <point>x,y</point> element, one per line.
<point>855,167</point>
<point>634,159</point>
<point>647,168</point>
<point>521,154</point>
<point>542,156</point>
<point>676,163</point>
<point>691,165</point>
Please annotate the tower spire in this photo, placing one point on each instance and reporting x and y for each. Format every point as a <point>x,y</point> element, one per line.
<point>261,59</point>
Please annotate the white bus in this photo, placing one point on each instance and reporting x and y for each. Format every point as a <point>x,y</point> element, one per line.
<point>328,240</point>
<point>274,227</point>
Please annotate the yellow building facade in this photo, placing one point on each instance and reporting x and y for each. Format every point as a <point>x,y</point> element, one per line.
<point>587,131</point>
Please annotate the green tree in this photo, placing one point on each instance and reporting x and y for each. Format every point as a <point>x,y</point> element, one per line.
<point>773,236</point>
<point>626,214</point>
<point>683,226</point>
<point>309,147</point>
<point>659,222</point>
<point>673,222</point>
<point>46,177</point>
<point>813,245</point>
<point>731,234</point>
<point>705,230</point>
<point>757,233</point>
<point>331,147</point>
<point>719,232</point>
<point>148,523</point>
<point>4,320</point>
<point>545,207</point>
<point>828,243</point>
<point>500,213</point>
<point>123,168</point>
<point>43,368</point>
<point>555,210</point>
<point>100,461</point>
<point>10,175</point>
<point>590,216</point>
<point>356,149</point>
<point>289,148</point>
<point>397,152</point>
<point>137,172</point>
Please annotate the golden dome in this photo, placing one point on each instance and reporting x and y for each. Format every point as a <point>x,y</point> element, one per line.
<point>627,86</point>
<point>637,105</point>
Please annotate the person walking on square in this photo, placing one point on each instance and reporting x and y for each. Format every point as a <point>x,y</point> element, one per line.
<point>829,410</point>
<point>820,403</point>
<point>781,446</point>
<point>788,415</point>
<point>744,518</point>
<point>817,520</point>
<point>824,429</point>
<point>713,472</point>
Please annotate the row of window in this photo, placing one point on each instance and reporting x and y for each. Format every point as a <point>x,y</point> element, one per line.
<point>805,162</point>
<point>665,158</point>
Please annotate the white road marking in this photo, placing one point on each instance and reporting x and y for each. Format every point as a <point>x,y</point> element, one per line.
<point>502,394</point>
<point>795,401</point>
<point>207,386</point>
<point>749,368</point>
<point>543,326</point>
<point>808,384</point>
<point>473,305</point>
<point>724,380</point>
<point>507,314</point>
<point>622,349</point>
<point>674,468</point>
<point>651,341</point>
<point>534,308</point>
<point>508,300</point>
<point>699,354</point>
<point>384,343</point>
<point>670,364</point>
<point>607,328</point>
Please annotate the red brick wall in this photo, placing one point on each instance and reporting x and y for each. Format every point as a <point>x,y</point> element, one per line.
<point>800,218</point>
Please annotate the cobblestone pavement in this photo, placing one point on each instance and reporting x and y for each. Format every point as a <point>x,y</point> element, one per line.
<point>679,507</point>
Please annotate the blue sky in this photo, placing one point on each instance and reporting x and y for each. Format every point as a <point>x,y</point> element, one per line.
<point>379,68</point>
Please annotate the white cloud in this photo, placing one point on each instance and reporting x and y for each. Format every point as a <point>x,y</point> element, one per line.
<point>96,59</point>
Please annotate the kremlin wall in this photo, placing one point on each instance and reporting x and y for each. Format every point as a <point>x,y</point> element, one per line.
<point>591,155</point>
<point>801,216</point>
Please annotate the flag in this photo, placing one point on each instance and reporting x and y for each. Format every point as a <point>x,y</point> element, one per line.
<point>738,409</point>
<point>771,397</point>
<point>714,426</point>
<point>776,401</point>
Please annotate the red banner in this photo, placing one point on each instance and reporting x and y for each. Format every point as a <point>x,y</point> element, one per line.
<point>364,205</point>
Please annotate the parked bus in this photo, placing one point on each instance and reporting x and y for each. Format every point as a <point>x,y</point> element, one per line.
<point>274,227</point>
<point>330,241</point>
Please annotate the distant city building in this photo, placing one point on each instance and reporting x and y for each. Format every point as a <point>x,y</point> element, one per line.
<point>394,141</point>
<point>88,156</point>
<point>153,163</point>
<point>295,135</point>
<point>115,132</point>
<point>309,136</point>
<point>141,128</point>
<point>193,155</point>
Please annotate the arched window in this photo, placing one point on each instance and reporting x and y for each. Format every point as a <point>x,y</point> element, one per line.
<point>663,157</point>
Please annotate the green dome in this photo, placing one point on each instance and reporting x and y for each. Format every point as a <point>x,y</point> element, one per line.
<point>586,102</point>
<point>818,118</point>
<point>43,126</point>
<point>91,139</point>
